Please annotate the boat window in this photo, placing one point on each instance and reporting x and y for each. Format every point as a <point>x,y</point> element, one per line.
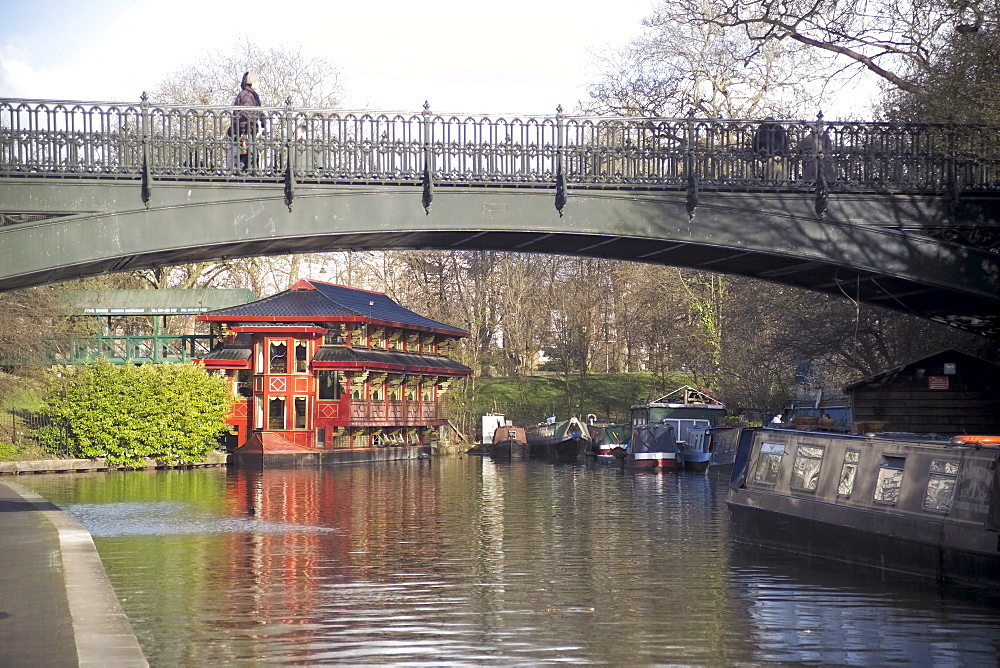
<point>805,468</point>
<point>940,485</point>
<point>768,463</point>
<point>890,479</point>
<point>848,473</point>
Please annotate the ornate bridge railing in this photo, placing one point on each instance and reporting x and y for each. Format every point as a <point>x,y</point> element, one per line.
<point>151,141</point>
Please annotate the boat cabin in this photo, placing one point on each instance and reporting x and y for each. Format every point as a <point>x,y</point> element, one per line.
<point>684,409</point>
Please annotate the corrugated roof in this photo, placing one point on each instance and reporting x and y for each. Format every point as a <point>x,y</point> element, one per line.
<point>402,361</point>
<point>151,302</point>
<point>318,301</point>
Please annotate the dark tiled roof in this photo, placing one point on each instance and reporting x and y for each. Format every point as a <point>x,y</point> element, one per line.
<point>401,361</point>
<point>332,302</point>
<point>239,354</point>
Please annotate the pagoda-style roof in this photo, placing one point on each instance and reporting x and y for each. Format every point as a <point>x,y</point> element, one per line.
<point>338,357</point>
<point>318,302</point>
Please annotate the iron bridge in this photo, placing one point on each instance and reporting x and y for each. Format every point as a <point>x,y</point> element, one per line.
<point>906,216</point>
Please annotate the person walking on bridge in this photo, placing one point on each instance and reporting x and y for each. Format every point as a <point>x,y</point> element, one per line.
<point>248,122</point>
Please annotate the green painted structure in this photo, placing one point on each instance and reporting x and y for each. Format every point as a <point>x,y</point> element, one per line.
<point>157,305</point>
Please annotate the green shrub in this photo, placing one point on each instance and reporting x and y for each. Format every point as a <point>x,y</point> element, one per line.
<point>8,452</point>
<point>172,413</point>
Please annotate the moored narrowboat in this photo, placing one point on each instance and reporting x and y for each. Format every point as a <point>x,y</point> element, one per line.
<point>682,410</point>
<point>708,446</point>
<point>652,447</point>
<point>566,441</point>
<point>923,507</point>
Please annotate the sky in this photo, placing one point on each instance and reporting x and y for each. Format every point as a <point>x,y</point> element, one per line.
<point>474,56</point>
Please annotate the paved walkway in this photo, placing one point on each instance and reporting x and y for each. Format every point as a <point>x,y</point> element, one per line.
<point>57,607</point>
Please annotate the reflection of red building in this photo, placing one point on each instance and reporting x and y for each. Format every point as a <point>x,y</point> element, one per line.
<point>322,368</point>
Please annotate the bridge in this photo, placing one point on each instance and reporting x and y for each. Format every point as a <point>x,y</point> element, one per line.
<point>903,216</point>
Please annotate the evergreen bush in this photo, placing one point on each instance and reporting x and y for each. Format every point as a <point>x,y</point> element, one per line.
<point>172,413</point>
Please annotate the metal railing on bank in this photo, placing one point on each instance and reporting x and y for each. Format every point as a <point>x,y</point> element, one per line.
<point>51,436</point>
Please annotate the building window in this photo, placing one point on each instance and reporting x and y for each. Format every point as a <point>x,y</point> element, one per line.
<point>848,473</point>
<point>244,383</point>
<point>329,384</point>
<point>377,392</point>
<point>411,392</point>
<point>333,337</point>
<point>276,413</point>
<point>890,479</point>
<point>768,463</point>
<point>300,412</point>
<point>805,468</point>
<point>301,357</point>
<point>940,485</point>
<point>277,357</point>
<point>358,336</point>
<point>428,392</point>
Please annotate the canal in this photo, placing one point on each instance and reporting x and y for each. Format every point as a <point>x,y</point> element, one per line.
<point>463,561</point>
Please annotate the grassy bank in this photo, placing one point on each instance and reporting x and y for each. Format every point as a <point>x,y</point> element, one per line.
<point>528,400</point>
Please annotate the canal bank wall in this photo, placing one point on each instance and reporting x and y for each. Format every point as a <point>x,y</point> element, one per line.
<point>214,458</point>
<point>57,607</point>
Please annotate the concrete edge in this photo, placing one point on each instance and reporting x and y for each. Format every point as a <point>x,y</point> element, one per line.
<point>102,632</point>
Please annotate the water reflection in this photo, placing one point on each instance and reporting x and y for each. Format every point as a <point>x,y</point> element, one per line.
<point>469,561</point>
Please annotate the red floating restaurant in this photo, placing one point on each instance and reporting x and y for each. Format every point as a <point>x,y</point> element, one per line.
<point>323,373</point>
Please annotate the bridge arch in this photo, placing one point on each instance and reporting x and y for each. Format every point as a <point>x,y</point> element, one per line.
<point>860,248</point>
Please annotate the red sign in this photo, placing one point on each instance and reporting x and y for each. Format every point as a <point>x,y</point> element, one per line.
<point>937,382</point>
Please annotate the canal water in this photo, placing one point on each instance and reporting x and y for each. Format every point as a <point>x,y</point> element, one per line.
<point>463,561</point>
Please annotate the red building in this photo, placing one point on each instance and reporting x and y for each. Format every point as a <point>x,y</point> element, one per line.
<point>323,372</point>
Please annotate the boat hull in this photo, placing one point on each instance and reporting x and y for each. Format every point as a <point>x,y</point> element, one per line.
<point>651,461</point>
<point>845,540</point>
<point>509,450</point>
<point>695,461</point>
<point>918,506</point>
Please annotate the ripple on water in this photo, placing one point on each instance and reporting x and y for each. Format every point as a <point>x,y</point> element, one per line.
<point>172,518</point>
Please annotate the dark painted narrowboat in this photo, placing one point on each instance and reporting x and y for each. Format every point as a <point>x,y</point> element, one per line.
<point>929,508</point>
<point>567,441</point>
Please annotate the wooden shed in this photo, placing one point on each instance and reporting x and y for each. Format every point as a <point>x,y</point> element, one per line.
<point>948,393</point>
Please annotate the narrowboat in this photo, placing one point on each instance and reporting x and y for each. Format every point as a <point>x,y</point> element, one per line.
<point>922,507</point>
<point>652,447</point>
<point>509,442</point>
<point>682,410</point>
<point>708,446</point>
<point>566,441</point>
<point>610,442</point>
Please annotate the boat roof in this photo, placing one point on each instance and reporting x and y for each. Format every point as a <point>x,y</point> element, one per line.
<point>685,395</point>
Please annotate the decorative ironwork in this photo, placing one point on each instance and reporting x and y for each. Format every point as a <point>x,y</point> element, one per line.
<point>987,239</point>
<point>17,218</point>
<point>150,142</point>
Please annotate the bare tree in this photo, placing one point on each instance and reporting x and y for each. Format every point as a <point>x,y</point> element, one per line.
<point>285,72</point>
<point>678,66</point>
<point>892,39</point>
